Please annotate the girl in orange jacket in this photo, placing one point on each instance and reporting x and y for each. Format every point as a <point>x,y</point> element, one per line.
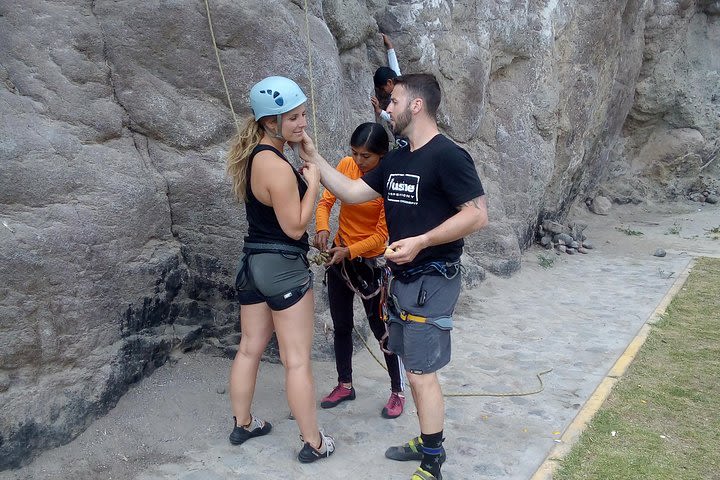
<point>352,269</point>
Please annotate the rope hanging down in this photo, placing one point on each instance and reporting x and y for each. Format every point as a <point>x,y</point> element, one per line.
<point>310,74</point>
<point>222,73</point>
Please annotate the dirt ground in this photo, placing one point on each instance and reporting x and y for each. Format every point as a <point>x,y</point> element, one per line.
<point>573,317</point>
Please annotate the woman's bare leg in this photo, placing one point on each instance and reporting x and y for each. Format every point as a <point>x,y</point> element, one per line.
<point>294,329</point>
<point>256,323</point>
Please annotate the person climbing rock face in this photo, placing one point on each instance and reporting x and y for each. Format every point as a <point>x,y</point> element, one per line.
<point>273,279</point>
<point>353,267</point>
<point>384,80</point>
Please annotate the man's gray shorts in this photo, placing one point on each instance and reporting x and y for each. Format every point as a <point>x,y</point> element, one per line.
<point>424,347</point>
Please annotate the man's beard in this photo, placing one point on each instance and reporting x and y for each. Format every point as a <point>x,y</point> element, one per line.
<point>401,122</point>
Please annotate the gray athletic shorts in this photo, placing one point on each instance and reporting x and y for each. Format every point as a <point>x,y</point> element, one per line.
<point>279,279</point>
<point>423,347</point>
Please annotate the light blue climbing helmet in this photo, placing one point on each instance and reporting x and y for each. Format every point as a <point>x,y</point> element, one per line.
<point>275,96</point>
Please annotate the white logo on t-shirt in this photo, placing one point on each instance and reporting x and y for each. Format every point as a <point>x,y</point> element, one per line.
<point>403,188</point>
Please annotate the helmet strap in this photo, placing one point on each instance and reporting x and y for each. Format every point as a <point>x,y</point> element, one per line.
<point>278,131</point>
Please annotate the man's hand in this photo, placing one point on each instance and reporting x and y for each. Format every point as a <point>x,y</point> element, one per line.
<point>405,250</point>
<point>338,254</point>
<point>308,151</point>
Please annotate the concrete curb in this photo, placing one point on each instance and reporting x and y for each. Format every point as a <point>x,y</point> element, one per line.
<point>572,433</point>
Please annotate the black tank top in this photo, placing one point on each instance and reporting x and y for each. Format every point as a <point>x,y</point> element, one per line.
<point>263,225</point>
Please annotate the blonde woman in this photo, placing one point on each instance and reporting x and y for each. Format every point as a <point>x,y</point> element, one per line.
<point>274,281</point>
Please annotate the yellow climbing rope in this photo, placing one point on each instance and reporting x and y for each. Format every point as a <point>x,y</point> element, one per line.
<point>538,375</point>
<point>222,73</point>
<point>310,74</point>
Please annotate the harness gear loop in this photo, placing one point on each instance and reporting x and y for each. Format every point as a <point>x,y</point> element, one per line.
<point>409,317</point>
<point>385,293</point>
<point>346,277</point>
<point>433,268</point>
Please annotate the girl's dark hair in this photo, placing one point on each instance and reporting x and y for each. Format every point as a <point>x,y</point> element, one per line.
<point>371,136</point>
<point>382,75</point>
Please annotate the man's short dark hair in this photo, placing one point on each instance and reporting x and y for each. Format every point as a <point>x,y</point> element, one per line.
<point>425,86</point>
<point>382,75</point>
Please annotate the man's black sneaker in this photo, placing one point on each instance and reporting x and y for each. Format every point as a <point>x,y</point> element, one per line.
<point>410,451</point>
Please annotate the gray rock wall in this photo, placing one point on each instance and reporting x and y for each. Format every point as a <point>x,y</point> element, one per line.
<point>118,233</point>
<point>669,145</point>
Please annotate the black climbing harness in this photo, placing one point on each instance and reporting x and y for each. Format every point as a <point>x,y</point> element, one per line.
<point>252,248</point>
<point>448,270</point>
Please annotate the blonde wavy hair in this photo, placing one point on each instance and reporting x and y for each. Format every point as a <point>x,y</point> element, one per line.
<point>237,160</point>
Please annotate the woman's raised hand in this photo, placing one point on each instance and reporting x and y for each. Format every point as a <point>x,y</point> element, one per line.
<point>311,173</point>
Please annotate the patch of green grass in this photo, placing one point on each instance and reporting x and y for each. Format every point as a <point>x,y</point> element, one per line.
<point>714,233</point>
<point>545,262</point>
<point>629,231</point>
<point>664,410</point>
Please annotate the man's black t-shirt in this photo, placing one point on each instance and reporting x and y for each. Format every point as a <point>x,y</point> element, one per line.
<point>422,189</point>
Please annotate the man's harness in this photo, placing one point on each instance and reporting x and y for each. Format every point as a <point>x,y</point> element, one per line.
<point>448,270</point>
